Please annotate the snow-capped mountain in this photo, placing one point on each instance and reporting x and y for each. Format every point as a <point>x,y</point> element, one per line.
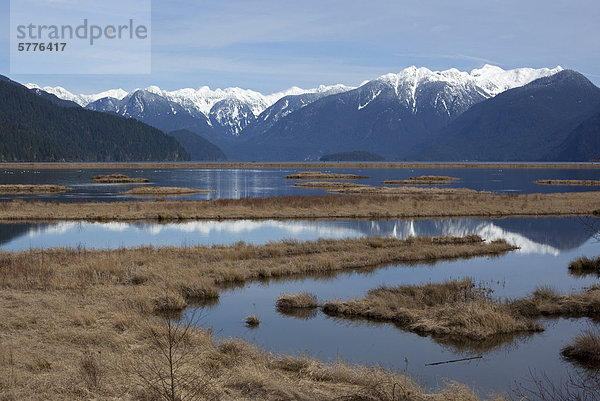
<point>82,100</point>
<point>386,115</point>
<point>495,80</point>
<point>228,110</point>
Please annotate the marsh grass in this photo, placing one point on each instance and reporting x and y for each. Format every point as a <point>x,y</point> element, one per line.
<point>400,202</point>
<point>117,179</point>
<point>151,190</point>
<point>584,349</point>
<point>76,320</point>
<point>32,189</point>
<point>455,309</point>
<point>545,301</point>
<point>252,321</point>
<point>569,182</point>
<point>301,300</point>
<point>584,266</point>
<point>424,180</point>
<point>319,175</point>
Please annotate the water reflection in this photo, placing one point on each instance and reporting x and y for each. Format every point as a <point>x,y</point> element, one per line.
<point>541,236</point>
<point>242,183</point>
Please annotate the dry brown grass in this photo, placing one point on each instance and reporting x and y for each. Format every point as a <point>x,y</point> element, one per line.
<point>584,266</point>
<point>150,190</point>
<point>546,302</point>
<point>417,202</point>
<point>252,321</point>
<point>568,182</point>
<point>302,300</point>
<point>453,309</point>
<point>117,179</point>
<point>319,175</point>
<point>78,324</point>
<point>458,310</point>
<point>371,190</point>
<point>196,272</point>
<point>290,165</point>
<point>32,189</point>
<point>424,180</point>
<point>330,184</point>
<point>585,349</point>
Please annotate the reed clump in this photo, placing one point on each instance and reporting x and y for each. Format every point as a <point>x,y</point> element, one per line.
<point>569,182</point>
<point>301,300</point>
<point>584,266</point>
<point>545,301</point>
<point>330,184</point>
<point>459,310</point>
<point>151,190</point>
<point>319,175</point>
<point>585,349</point>
<point>424,180</point>
<point>117,179</point>
<point>252,321</point>
<point>32,189</point>
<point>453,309</point>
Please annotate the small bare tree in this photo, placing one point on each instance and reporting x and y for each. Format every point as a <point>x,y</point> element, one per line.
<point>172,369</point>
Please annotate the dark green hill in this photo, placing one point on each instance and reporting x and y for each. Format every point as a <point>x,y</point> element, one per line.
<point>582,144</point>
<point>35,129</point>
<point>199,148</point>
<point>529,123</point>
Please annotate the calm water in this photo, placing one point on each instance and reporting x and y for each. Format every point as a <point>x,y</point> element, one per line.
<point>240,183</point>
<point>547,245</point>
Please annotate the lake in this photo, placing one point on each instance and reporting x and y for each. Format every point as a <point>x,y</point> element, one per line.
<point>242,183</point>
<point>547,245</point>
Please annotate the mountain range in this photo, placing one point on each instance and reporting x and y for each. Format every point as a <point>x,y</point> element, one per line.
<point>416,114</point>
<point>37,126</point>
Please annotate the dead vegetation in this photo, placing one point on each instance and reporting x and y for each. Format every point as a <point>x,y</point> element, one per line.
<point>545,301</point>
<point>319,175</point>
<point>32,189</point>
<point>90,324</point>
<point>117,179</point>
<point>330,184</point>
<point>424,180</point>
<point>458,310</point>
<point>584,266</point>
<point>302,300</point>
<point>585,349</point>
<point>414,202</point>
<point>408,190</point>
<point>569,182</point>
<point>151,190</point>
<point>453,309</point>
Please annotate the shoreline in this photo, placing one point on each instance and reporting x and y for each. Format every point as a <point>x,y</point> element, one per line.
<point>110,303</point>
<point>376,206</point>
<point>295,165</point>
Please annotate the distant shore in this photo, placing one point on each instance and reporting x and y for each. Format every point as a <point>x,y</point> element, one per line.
<point>291,165</point>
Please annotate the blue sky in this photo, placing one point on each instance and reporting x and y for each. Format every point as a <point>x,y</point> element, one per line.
<point>269,45</point>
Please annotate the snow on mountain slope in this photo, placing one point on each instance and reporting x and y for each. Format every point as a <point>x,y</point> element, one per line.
<point>451,90</point>
<point>82,100</point>
<point>231,110</point>
<point>496,80</point>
